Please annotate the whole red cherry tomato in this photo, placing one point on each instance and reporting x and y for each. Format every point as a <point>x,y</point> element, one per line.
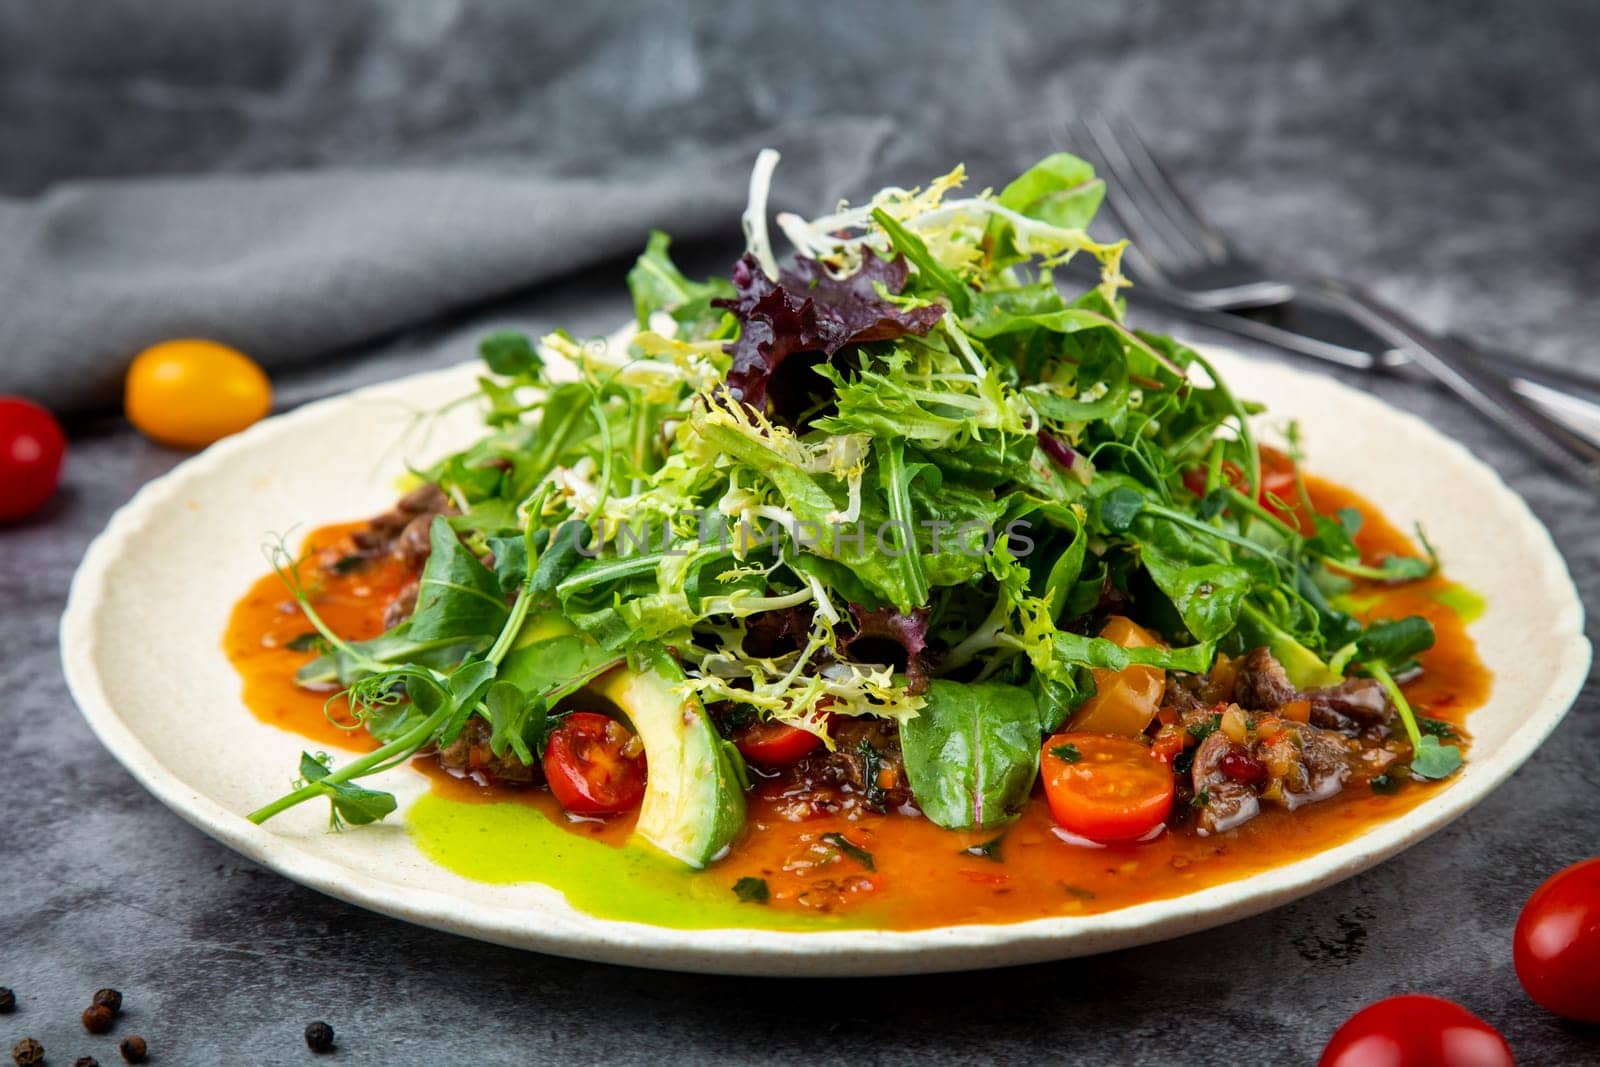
<point>775,744</point>
<point>595,765</point>
<point>1416,1031</point>
<point>1557,947</point>
<point>31,447</point>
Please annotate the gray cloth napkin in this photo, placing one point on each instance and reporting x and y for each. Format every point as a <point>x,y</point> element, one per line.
<point>289,267</point>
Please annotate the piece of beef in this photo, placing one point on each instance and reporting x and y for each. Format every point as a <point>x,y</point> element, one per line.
<point>1224,802</point>
<point>400,608</point>
<point>1262,683</point>
<point>1351,707</point>
<point>866,767</point>
<point>1186,693</point>
<point>470,756</point>
<point>1291,764</point>
<point>1354,705</point>
<point>403,529</point>
<point>1308,764</point>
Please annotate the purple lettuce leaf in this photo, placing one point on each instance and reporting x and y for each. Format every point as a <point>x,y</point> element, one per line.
<point>805,312</point>
<point>886,625</point>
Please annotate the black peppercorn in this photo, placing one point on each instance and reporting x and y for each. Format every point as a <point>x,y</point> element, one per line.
<point>319,1037</point>
<point>85,1061</point>
<point>8,1001</point>
<point>109,999</point>
<point>97,1018</point>
<point>133,1049</point>
<point>27,1053</point>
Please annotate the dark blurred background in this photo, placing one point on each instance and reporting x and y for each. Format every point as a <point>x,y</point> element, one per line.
<point>1445,150</point>
<point>1443,153</point>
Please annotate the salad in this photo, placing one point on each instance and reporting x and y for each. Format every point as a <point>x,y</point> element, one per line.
<point>896,523</point>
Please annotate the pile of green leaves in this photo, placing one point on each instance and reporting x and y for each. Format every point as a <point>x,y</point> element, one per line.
<point>917,367</point>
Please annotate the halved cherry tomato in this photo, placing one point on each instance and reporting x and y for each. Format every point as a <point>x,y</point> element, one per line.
<point>1277,482</point>
<point>190,393</point>
<point>1557,947</point>
<point>31,447</point>
<point>775,744</point>
<point>1416,1031</point>
<point>595,765</point>
<point>1105,788</point>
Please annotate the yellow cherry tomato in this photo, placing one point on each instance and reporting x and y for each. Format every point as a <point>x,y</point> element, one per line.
<point>191,392</point>
<point>1124,701</point>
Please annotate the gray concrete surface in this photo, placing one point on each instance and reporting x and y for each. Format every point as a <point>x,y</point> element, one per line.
<point>1442,153</point>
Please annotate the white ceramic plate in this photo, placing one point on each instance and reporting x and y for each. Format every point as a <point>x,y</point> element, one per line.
<point>141,641</point>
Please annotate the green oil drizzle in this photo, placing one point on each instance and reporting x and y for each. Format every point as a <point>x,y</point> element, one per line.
<point>1468,605</point>
<point>509,843</point>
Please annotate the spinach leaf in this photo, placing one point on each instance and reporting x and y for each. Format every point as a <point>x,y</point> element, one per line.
<point>458,597</point>
<point>972,753</point>
<point>1060,189</point>
<point>556,661</point>
<point>1202,584</point>
<point>396,646</point>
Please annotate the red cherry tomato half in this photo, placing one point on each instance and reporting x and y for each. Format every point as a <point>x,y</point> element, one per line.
<point>595,765</point>
<point>1105,788</point>
<point>1416,1031</point>
<point>775,744</point>
<point>1557,947</point>
<point>31,447</point>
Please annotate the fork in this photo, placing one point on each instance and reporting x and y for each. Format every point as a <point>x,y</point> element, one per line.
<point>1186,262</point>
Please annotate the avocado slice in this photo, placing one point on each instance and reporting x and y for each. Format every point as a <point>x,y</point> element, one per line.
<point>694,792</point>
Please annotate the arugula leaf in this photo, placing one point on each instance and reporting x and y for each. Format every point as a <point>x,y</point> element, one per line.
<point>972,753</point>
<point>912,247</point>
<point>658,285</point>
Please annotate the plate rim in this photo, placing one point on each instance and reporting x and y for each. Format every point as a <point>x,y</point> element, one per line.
<point>754,951</point>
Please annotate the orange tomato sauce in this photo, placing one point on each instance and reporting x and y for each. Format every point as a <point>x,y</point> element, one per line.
<point>920,875</point>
